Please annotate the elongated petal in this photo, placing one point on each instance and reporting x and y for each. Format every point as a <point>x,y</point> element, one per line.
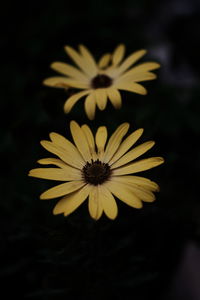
<point>66,156</point>
<point>104,61</point>
<point>133,154</point>
<point>69,70</point>
<point>90,139</point>
<point>89,136</point>
<point>108,202</point>
<point>141,192</point>
<point>137,180</point>
<point>64,82</point>
<point>139,166</point>
<point>89,60</point>
<point>90,106</point>
<point>95,205</point>
<point>146,67</point>
<point>75,83</point>
<point>101,98</point>
<point>114,141</point>
<point>118,55</point>
<point>71,101</point>
<point>101,138</point>
<point>67,147</point>
<point>132,76</point>
<point>128,62</point>
<point>72,201</point>
<point>53,161</point>
<point>124,193</point>
<point>75,173</point>
<point>131,59</point>
<point>131,87</point>
<point>80,140</point>
<point>115,97</point>
<point>144,194</point>
<point>62,189</point>
<point>52,174</point>
<point>79,60</point>
<point>56,81</point>
<point>126,145</point>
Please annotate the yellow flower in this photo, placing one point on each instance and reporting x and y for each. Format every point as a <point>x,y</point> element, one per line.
<point>103,80</point>
<point>96,169</point>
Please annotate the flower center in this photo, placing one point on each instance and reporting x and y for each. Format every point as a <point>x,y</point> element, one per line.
<point>101,81</point>
<point>96,172</point>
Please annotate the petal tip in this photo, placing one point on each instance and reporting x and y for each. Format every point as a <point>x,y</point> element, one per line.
<point>42,143</point>
<point>144,92</point>
<point>141,130</point>
<point>45,82</point>
<point>29,173</point>
<point>73,123</point>
<point>53,64</point>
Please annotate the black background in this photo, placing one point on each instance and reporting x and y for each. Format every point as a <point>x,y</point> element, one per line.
<point>52,257</point>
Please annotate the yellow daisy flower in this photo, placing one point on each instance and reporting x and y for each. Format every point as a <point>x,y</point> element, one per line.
<point>93,169</point>
<point>103,80</point>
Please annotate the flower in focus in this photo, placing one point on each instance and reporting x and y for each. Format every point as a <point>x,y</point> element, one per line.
<point>103,80</point>
<point>97,169</point>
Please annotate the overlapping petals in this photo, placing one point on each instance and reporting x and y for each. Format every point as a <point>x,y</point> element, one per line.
<point>101,81</point>
<point>115,155</point>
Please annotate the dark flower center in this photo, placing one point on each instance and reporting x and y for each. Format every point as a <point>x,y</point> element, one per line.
<point>101,81</point>
<point>96,172</point>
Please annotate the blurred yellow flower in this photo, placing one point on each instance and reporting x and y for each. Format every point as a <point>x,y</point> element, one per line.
<point>103,80</point>
<point>99,170</point>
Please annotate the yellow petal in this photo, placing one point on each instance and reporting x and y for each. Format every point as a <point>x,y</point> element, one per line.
<point>62,189</point>
<point>80,140</point>
<point>127,144</point>
<point>137,180</point>
<point>141,192</point>
<point>146,66</point>
<point>64,82</point>
<point>133,154</point>
<point>115,141</point>
<point>115,97</point>
<point>53,161</point>
<point>89,60</point>
<point>90,106</point>
<point>95,205</point>
<point>131,76</point>
<point>90,139</point>
<point>52,174</point>
<point>89,136</point>
<point>68,148</point>
<point>71,101</point>
<point>66,155</point>
<point>130,60</point>
<point>139,166</point>
<point>56,81</point>
<point>72,201</point>
<point>104,61</point>
<point>131,87</point>
<point>75,174</point>
<point>101,98</point>
<point>81,62</point>
<point>118,55</point>
<point>101,138</point>
<point>108,202</point>
<point>69,70</point>
<point>124,193</point>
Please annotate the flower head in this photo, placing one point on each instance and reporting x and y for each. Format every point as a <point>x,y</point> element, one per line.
<point>103,80</point>
<point>99,170</point>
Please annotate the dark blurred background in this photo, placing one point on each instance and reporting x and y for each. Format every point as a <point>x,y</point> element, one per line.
<point>143,254</point>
